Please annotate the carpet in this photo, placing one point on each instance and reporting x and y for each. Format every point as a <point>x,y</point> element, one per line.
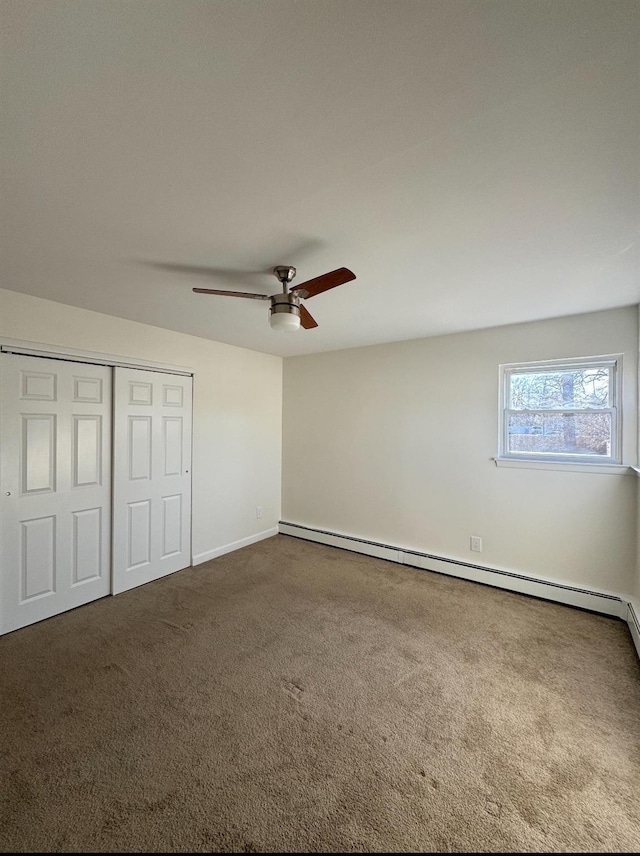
<point>295,697</point>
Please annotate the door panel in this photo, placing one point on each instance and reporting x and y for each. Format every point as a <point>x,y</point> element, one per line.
<point>87,450</point>
<point>37,558</point>
<point>38,453</point>
<point>172,444</point>
<point>152,482</point>
<point>139,447</point>
<point>139,532</point>
<point>55,502</point>
<point>171,525</point>
<point>87,389</point>
<point>38,386</point>
<point>87,544</point>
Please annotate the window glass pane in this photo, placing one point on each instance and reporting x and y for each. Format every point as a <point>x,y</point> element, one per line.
<point>560,433</point>
<point>557,389</point>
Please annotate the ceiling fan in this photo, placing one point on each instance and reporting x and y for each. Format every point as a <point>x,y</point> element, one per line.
<point>287,313</point>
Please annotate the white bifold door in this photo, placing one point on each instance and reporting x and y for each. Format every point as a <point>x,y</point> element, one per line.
<point>152,480</point>
<point>55,469</point>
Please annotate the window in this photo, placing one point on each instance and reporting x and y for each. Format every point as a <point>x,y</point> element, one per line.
<point>561,410</point>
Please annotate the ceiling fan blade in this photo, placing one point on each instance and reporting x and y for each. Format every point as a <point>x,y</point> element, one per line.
<point>232,293</point>
<point>324,282</point>
<point>306,319</point>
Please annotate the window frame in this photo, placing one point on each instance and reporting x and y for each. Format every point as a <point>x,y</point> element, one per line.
<point>612,361</point>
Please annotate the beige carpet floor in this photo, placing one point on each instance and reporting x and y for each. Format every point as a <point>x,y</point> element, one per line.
<point>291,696</point>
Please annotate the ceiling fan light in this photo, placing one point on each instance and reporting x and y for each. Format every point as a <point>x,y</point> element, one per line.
<point>285,312</point>
<point>284,320</point>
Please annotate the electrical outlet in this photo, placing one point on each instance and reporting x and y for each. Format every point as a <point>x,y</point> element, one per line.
<point>476,543</point>
<point>258,511</point>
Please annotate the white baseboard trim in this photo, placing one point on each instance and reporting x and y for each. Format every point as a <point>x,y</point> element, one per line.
<point>633,620</point>
<point>560,592</point>
<point>235,545</point>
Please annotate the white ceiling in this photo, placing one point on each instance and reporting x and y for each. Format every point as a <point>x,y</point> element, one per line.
<point>474,163</point>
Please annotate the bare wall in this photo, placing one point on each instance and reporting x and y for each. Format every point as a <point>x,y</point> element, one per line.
<point>237,409</point>
<point>394,442</point>
<point>636,587</point>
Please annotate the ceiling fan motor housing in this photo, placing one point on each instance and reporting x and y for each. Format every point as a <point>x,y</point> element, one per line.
<point>285,273</point>
<point>285,312</point>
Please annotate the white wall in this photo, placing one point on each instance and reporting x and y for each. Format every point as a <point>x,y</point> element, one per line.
<point>237,409</point>
<point>393,443</point>
<point>636,588</point>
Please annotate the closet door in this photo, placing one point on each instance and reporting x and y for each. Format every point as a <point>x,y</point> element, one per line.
<point>152,479</point>
<point>55,473</point>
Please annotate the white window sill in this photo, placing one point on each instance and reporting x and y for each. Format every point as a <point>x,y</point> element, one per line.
<point>569,467</point>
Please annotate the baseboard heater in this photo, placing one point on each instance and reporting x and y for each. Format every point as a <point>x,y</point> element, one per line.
<point>595,601</point>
